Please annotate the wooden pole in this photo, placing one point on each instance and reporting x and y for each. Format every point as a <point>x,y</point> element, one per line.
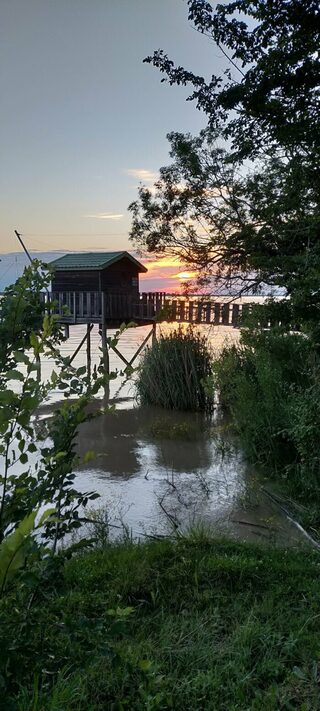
<point>18,235</point>
<point>154,333</point>
<point>104,345</point>
<point>38,364</point>
<point>142,345</point>
<point>89,350</point>
<point>80,344</point>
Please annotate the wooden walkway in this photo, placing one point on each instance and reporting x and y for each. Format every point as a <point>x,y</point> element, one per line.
<point>95,307</point>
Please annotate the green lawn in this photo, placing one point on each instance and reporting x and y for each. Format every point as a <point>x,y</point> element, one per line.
<point>215,625</point>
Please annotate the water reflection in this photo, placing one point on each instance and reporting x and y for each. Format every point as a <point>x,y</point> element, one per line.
<point>158,471</point>
<point>133,440</point>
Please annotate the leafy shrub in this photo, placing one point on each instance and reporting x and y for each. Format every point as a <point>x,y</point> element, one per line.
<point>256,382</point>
<point>304,427</point>
<point>37,462</point>
<point>173,372</point>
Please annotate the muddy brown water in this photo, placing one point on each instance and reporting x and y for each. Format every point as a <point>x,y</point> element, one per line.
<point>158,471</point>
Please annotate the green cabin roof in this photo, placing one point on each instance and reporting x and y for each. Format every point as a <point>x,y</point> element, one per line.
<point>92,261</point>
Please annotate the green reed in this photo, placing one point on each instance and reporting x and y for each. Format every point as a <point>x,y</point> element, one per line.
<point>174,371</point>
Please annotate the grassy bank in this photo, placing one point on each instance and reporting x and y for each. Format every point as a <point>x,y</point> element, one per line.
<point>196,624</point>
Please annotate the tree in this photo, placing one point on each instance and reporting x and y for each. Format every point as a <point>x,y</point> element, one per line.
<point>258,223</point>
<point>270,90</point>
<point>253,228</point>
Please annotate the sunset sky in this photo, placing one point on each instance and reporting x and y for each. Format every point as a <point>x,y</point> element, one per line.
<point>84,121</point>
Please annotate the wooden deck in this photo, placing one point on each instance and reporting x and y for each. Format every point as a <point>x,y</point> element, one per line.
<point>113,309</point>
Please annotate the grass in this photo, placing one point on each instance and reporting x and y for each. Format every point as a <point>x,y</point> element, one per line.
<point>202,624</point>
<point>173,372</point>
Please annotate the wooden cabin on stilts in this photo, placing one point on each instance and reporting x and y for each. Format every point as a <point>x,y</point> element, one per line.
<point>99,288</point>
<point>103,288</point>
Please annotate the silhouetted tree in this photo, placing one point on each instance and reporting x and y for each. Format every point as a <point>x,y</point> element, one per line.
<point>256,221</point>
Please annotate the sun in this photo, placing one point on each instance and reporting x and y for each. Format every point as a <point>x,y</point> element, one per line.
<point>186,275</point>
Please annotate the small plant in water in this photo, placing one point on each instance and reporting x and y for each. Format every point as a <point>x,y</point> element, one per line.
<point>163,428</point>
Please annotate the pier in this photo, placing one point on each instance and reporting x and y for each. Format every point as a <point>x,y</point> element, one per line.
<point>113,310</point>
<point>95,307</point>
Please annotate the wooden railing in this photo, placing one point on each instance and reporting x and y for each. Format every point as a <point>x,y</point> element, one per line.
<point>93,307</point>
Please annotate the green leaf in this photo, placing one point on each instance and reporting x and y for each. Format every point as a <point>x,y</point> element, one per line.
<point>89,455</point>
<point>7,397</point>
<point>21,357</point>
<point>46,326</point>
<point>15,375</point>
<point>60,455</point>
<point>45,515</point>
<point>34,341</point>
<point>13,550</point>
<point>54,377</point>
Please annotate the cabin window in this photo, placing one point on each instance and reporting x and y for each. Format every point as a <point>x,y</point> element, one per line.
<point>134,281</point>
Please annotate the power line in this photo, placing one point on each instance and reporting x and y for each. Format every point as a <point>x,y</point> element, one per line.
<point>75,234</point>
<point>5,272</point>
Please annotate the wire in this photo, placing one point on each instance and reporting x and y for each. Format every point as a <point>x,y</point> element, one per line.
<point>75,234</point>
<point>6,270</point>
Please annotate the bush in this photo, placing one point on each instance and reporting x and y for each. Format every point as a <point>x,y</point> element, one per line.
<point>257,382</point>
<point>304,431</point>
<point>173,372</point>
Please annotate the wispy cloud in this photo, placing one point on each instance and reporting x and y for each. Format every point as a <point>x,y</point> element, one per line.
<point>161,261</point>
<point>145,176</point>
<point>105,216</point>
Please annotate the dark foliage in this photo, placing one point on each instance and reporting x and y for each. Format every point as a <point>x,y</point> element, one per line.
<point>247,224</point>
<point>269,93</point>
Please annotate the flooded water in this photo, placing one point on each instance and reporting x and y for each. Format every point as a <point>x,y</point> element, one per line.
<point>158,471</point>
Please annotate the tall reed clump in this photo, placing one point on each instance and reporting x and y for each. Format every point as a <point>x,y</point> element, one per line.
<point>174,371</point>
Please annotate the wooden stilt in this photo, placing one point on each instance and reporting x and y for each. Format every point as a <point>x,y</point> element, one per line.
<point>117,352</point>
<point>141,346</point>
<point>38,364</point>
<point>154,333</point>
<point>89,350</point>
<point>104,345</point>
<point>80,345</point>
<point>129,363</point>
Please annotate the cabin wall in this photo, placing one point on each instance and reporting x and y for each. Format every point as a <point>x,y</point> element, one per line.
<point>76,281</point>
<point>119,278</point>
